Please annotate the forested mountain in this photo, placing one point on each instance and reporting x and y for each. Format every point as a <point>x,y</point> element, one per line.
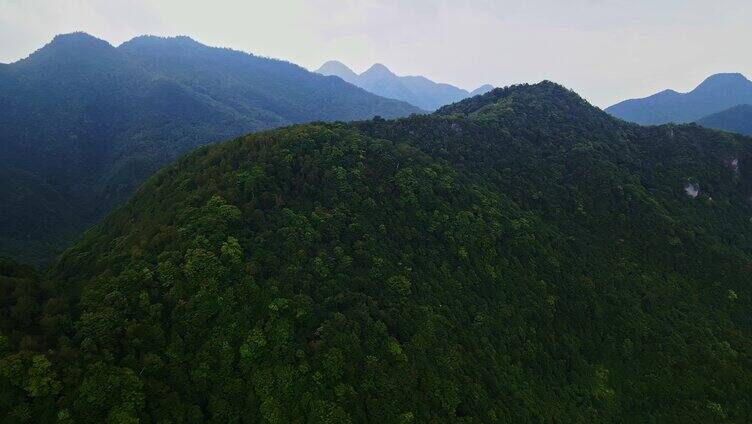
<point>717,93</point>
<point>516,257</point>
<point>83,123</point>
<point>416,90</point>
<point>738,119</point>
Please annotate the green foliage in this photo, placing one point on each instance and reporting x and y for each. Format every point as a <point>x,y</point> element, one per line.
<point>517,257</point>
<point>83,124</point>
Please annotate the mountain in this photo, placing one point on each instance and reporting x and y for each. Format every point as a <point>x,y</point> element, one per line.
<point>519,256</point>
<point>416,90</point>
<point>483,89</point>
<point>738,119</point>
<point>717,93</point>
<point>83,123</point>
<point>338,69</point>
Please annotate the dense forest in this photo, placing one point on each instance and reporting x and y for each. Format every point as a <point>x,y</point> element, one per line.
<point>84,123</point>
<point>519,256</point>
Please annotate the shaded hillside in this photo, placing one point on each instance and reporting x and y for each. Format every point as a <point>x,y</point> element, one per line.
<point>738,119</point>
<point>717,93</point>
<point>86,122</point>
<point>416,90</point>
<point>516,257</point>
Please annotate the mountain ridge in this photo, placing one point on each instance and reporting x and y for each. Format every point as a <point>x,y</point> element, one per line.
<point>714,94</point>
<point>96,120</point>
<point>414,89</point>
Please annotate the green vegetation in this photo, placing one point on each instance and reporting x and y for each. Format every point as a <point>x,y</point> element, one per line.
<point>83,123</point>
<point>516,257</point>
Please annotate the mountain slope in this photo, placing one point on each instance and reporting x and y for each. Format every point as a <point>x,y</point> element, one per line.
<point>93,121</point>
<point>416,90</point>
<point>516,257</point>
<point>738,119</point>
<point>717,93</point>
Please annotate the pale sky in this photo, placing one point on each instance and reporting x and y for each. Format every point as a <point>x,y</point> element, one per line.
<point>606,50</point>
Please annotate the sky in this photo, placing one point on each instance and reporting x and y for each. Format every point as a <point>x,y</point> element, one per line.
<point>606,50</point>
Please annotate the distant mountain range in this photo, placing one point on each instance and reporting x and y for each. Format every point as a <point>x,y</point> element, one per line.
<point>717,93</point>
<point>416,90</point>
<point>83,123</point>
<point>738,119</point>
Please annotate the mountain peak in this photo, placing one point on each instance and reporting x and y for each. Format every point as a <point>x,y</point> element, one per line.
<point>416,89</point>
<point>334,65</point>
<point>483,89</point>
<point>74,46</point>
<point>178,39</point>
<point>339,69</point>
<point>76,41</point>
<point>149,42</point>
<point>723,80</point>
<point>377,69</point>
<point>727,76</point>
<point>77,37</point>
<point>551,98</point>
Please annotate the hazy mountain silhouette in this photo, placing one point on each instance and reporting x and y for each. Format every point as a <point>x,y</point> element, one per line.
<point>717,93</point>
<point>416,90</point>
<point>83,123</point>
<point>737,119</point>
<point>339,69</point>
<point>483,89</point>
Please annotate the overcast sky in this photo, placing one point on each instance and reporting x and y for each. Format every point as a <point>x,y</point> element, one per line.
<point>605,50</point>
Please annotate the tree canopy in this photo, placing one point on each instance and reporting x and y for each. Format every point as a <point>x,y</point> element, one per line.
<point>83,123</point>
<point>516,257</point>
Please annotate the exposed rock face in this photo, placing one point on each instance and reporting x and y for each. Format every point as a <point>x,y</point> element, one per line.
<point>692,190</point>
